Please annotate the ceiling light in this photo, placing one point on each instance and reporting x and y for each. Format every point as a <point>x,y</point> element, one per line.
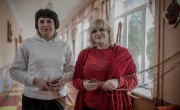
<point>50,5</point>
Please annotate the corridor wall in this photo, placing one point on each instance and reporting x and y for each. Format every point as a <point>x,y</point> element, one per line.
<point>8,27</point>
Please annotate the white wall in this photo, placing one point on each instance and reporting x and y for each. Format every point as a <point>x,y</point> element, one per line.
<point>167,43</point>
<point>7,50</point>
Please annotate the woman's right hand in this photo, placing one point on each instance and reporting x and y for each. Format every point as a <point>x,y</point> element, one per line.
<point>41,84</point>
<point>90,86</point>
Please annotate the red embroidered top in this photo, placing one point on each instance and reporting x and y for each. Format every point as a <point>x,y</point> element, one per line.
<point>95,67</point>
<point>120,66</point>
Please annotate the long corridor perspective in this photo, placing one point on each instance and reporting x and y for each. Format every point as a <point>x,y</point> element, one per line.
<point>134,45</point>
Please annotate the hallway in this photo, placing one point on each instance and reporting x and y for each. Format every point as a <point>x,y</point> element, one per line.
<point>13,100</point>
<point>141,26</point>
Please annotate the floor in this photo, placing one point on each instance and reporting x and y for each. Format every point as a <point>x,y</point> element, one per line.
<point>13,100</point>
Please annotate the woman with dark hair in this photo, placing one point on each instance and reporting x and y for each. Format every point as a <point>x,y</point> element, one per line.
<point>44,64</point>
<point>104,72</point>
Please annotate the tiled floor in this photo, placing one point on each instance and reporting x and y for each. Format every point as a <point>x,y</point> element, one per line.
<point>13,101</point>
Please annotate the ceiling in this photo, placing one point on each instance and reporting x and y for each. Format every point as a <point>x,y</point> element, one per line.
<point>24,11</point>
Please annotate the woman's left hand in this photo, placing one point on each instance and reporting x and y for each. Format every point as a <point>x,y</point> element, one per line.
<point>111,84</point>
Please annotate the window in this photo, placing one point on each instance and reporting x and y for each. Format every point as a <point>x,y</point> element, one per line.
<point>85,33</point>
<point>65,36</point>
<point>137,34</point>
<point>78,40</point>
<point>70,38</point>
<point>81,37</point>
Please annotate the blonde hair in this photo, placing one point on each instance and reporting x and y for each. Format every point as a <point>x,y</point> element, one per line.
<point>96,24</point>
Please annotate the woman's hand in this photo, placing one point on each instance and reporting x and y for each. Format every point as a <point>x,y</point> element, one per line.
<point>56,85</point>
<point>41,84</point>
<point>111,84</point>
<point>90,86</point>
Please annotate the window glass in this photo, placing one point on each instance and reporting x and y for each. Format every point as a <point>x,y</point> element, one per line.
<point>78,40</point>
<point>85,24</point>
<point>70,38</point>
<point>149,44</point>
<point>65,37</point>
<point>121,6</point>
<point>85,39</point>
<point>134,30</point>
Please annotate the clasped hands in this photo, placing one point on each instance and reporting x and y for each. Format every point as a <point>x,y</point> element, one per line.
<point>53,86</point>
<point>94,84</point>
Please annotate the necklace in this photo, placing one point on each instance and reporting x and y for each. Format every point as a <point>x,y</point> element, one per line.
<point>101,61</point>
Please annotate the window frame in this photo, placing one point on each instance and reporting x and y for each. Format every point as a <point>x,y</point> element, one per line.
<point>143,91</point>
<point>81,35</point>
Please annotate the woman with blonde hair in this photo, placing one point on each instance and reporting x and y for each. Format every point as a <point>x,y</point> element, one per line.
<point>104,72</point>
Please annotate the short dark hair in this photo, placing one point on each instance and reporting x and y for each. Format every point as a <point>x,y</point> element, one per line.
<point>46,13</point>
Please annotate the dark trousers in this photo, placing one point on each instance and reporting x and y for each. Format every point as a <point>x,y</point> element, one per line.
<point>86,108</point>
<point>36,104</point>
